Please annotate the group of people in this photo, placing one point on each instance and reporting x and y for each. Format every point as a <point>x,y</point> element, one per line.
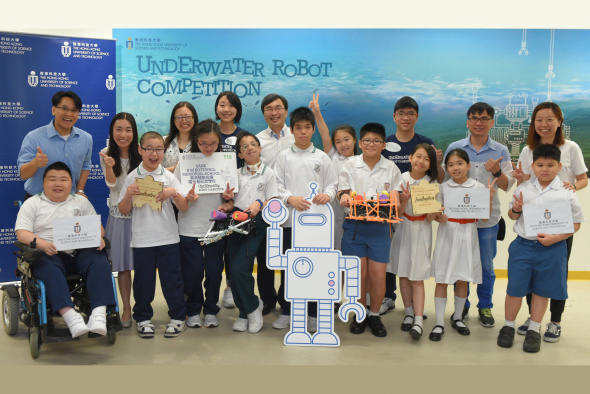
<point>280,162</point>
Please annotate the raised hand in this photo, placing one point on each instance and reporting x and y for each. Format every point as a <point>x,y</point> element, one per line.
<point>314,104</point>
<point>518,173</point>
<point>518,203</point>
<point>108,160</point>
<point>439,154</point>
<point>491,187</point>
<point>405,194</point>
<point>192,195</point>
<point>40,159</point>
<point>228,194</point>
<point>492,165</point>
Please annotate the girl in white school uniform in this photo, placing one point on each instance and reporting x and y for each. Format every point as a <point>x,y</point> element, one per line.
<point>456,258</point>
<point>196,260</point>
<point>411,247</point>
<point>119,158</point>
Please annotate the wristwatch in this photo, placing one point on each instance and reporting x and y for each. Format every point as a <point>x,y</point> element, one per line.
<point>80,191</point>
<point>497,174</point>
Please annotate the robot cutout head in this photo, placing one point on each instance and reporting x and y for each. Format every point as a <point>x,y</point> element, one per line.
<point>313,228</point>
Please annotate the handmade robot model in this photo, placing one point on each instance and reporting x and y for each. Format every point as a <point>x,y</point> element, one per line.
<point>312,270</point>
<point>223,224</point>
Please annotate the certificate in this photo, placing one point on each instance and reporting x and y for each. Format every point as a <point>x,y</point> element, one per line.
<point>148,190</point>
<point>553,217</point>
<point>467,203</point>
<point>76,232</point>
<point>424,198</point>
<point>211,174</point>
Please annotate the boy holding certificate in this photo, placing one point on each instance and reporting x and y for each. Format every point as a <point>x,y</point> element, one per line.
<point>537,264</point>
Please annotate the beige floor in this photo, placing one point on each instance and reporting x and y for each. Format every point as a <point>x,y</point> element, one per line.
<point>221,346</point>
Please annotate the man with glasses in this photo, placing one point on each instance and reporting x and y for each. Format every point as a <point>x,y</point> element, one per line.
<point>489,159</point>
<point>398,148</point>
<point>57,141</point>
<point>276,138</point>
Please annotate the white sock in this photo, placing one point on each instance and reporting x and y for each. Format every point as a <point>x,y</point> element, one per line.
<point>373,313</point>
<point>510,323</point>
<point>440,304</point>
<point>409,311</point>
<point>408,320</point>
<point>418,320</point>
<point>69,314</point>
<point>534,326</point>
<point>459,304</point>
<point>100,311</point>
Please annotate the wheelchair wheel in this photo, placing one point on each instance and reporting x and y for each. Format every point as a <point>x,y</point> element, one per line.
<point>34,341</point>
<point>9,313</point>
<point>112,338</point>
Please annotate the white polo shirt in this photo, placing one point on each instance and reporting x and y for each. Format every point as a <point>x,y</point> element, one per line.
<point>572,162</point>
<point>148,227</point>
<point>37,213</point>
<point>261,185</point>
<point>272,145</point>
<point>356,176</point>
<point>533,193</point>
<point>297,168</point>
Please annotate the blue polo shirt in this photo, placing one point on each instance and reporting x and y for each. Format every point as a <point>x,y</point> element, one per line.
<point>76,152</point>
<point>399,152</point>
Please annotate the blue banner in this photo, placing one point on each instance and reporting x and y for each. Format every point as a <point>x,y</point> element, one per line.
<point>360,74</point>
<point>32,69</point>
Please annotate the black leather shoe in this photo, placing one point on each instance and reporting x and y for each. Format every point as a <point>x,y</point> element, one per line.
<point>358,328</point>
<point>506,336</point>
<point>436,336</point>
<point>532,342</point>
<point>376,326</point>
<point>407,326</point>
<point>267,308</point>
<point>460,330</point>
<point>416,332</point>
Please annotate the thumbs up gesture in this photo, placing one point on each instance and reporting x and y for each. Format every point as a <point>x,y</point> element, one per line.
<point>108,160</point>
<point>40,159</point>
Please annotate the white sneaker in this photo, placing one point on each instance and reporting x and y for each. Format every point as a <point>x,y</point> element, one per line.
<point>145,329</point>
<point>525,327</point>
<point>240,325</point>
<point>282,322</point>
<point>97,322</point>
<point>211,321</point>
<point>255,319</point>
<point>75,323</point>
<point>386,305</point>
<point>312,324</point>
<point>228,298</point>
<point>194,321</point>
<point>174,328</point>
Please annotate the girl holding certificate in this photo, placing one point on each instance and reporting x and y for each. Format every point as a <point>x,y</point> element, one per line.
<point>456,258</point>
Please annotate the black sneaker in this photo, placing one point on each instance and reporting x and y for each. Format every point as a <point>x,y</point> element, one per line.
<point>358,328</point>
<point>506,336</point>
<point>532,342</point>
<point>485,317</point>
<point>465,313</point>
<point>376,326</point>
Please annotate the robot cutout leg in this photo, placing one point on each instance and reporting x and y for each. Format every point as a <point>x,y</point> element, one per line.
<point>298,334</point>
<point>326,335</point>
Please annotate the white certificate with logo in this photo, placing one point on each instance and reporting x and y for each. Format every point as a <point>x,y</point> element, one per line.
<point>76,232</point>
<point>554,217</point>
<point>464,203</point>
<point>211,174</point>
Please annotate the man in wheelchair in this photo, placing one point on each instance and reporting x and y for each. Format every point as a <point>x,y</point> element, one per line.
<point>35,222</point>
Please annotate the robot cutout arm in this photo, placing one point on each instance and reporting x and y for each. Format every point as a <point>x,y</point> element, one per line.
<point>351,266</point>
<point>275,214</point>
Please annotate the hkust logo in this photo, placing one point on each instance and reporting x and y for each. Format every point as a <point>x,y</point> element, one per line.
<point>66,49</point>
<point>110,82</point>
<point>77,228</point>
<point>466,199</point>
<point>33,79</point>
<point>547,214</point>
<point>129,43</point>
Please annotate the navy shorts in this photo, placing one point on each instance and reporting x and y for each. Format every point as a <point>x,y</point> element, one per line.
<point>537,269</point>
<point>366,239</point>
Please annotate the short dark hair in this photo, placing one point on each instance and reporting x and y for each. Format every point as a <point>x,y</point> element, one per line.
<point>457,152</point>
<point>205,127</point>
<point>150,134</point>
<point>301,114</point>
<point>547,151</point>
<point>406,102</point>
<point>269,98</point>
<point>243,134</point>
<point>233,100</point>
<point>66,93</point>
<point>57,166</point>
<point>376,128</point>
<point>479,108</point>
<point>347,129</point>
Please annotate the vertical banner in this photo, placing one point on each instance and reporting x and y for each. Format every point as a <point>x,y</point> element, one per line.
<point>32,69</point>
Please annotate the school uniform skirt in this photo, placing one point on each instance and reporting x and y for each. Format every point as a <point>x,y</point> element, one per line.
<point>118,231</point>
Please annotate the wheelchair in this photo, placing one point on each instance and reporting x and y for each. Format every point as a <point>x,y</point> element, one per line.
<point>30,304</point>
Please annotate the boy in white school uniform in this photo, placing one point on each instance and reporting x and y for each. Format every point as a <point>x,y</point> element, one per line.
<point>155,241</point>
<point>537,264</point>
<point>296,168</point>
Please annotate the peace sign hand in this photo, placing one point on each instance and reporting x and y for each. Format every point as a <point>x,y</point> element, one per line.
<point>406,195</point>
<point>228,194</point>
<point>518,203</point>
<point>192,195</point>
<point>491,187</point>
<point>518,173</point>
<point>314,104</point>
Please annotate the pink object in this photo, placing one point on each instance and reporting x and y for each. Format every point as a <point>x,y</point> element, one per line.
<point>274,206</point>
<point>240,216</point>
<point>218,215</point>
